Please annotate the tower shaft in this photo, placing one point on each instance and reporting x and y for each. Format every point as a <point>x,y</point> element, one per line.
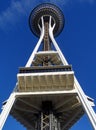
<point>46,44</point>
<point>47,94</point>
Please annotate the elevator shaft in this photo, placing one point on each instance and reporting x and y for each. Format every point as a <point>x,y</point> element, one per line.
<point>47,119</point>
<point>46,44</point>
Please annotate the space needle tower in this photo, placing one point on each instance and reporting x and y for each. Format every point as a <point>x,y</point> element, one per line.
<point>47,94</point>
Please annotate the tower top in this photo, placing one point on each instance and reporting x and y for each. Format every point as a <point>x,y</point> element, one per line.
<point>46,10</point>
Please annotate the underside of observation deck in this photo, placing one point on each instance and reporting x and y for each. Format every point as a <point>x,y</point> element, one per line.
<point>65,106</point>
<point>47,84</point>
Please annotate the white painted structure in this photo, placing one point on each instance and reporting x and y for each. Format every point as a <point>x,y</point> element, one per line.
<point>31,91</point>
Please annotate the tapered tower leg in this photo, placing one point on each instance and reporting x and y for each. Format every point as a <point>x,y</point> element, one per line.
<point>6,109</point>
<point>38,44</point>
<point>86,105</point>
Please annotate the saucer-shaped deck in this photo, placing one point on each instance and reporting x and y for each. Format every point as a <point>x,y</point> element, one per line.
<point>46,10</point>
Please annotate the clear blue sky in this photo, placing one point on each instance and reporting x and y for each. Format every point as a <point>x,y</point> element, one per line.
<point>77,42</point>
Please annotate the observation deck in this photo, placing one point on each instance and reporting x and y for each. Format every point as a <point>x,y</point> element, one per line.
<point>50,78</point>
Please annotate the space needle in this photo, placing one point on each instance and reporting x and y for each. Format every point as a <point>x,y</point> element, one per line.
<point>47,95</point>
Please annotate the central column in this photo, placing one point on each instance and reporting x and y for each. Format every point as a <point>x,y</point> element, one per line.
<point>48,121</point>
<point>46,44</point>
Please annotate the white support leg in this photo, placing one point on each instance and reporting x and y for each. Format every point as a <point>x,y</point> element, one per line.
<point>86,105</point>
<point>38,44</point>
<point>51,28</point>
<point>6,110</point>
